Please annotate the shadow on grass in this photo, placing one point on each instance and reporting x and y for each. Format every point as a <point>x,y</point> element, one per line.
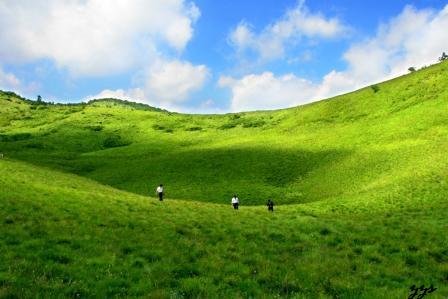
<point>212,175</point>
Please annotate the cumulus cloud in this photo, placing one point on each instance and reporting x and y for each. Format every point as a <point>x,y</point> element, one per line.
<point>8,81</point>
<point>265,91</point>
<point>93,37</point>
<point>297,23</point>
<point>133,94</point>
<point>413,38</point>
<point>167,83</point>
<point>173,81</point>
<point>206,107</point>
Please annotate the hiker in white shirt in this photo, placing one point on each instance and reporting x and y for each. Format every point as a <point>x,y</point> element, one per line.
<point>159,191</point>
<point>235,202</point>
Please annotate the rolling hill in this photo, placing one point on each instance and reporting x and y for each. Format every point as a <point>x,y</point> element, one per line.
<point>360,183</point>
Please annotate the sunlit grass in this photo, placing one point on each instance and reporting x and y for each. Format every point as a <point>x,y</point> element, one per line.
<point>360,184</point>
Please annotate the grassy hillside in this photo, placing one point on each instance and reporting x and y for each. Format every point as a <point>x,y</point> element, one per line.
<point>65,236</point>
<point>360,182</point>
<point>333,148</point>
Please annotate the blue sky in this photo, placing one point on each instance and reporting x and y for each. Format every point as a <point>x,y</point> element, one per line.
<point>213,56</point>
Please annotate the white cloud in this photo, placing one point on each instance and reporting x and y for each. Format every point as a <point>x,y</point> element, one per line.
<point>8,81</point>
<point>93,37</point>
<point>101,38</point>
<point>174,81</point>
<point>265,91</point>
<point>206,107</point>
<point>272,41</point>
<point>166,84</point>
<point>413,38</point>
<point>135,95</point>
<point>304,57</point>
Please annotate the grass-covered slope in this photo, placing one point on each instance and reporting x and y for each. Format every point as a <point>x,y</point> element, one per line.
<point>334,148</point>
<point>66,236</point>
<point>360,182</point>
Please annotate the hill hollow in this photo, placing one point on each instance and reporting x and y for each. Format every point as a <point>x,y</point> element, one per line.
<point>359,181</point>
<point>358,144</point>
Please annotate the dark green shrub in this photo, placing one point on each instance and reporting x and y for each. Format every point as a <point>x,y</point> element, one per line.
<point>15,137</point>
<point>95,128</point>
<point>158,127</point>
<point>35,145</point>
<point>254,123</point>
<point>325,231</point>
<point>375,88</point>
<point>227,126</point>
<point>114,141</point>
<point>193,129</point>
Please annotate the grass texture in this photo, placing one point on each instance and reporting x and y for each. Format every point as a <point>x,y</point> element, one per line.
<point>360,183</point>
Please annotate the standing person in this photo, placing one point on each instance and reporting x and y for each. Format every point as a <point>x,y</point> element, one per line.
<point>159,192</point>
<point>235,202</point>
<point>270,205</point>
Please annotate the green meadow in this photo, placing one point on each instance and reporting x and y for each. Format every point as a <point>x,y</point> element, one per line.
<point>360,183</point>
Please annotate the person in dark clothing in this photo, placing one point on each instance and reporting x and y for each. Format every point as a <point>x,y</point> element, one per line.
<point>235,202</point>
<point>270,205</point>
<point>159,192</point>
